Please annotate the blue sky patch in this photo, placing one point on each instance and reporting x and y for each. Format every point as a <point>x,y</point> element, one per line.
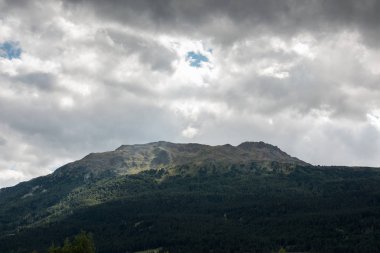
<point>196,59</point>
<point>10,50</point>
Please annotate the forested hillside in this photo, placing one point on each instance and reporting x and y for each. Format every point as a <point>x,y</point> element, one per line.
<point>190,198</point>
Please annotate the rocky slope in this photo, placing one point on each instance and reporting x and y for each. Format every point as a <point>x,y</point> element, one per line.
<point>132,159</point>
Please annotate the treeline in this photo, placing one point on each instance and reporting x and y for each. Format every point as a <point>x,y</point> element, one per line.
<point>81,243</point>
<point>84,243</point>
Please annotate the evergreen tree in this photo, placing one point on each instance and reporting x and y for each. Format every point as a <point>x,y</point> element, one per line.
<point>82,243</point>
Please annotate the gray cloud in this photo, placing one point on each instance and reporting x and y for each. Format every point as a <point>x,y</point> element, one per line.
<point>97,74</point>
<point>228,21</point>
<point>41,81</point>
<point>151,53</point>
<point>3,141</point>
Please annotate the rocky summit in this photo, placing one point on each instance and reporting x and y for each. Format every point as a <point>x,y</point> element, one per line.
<point>132,159</point>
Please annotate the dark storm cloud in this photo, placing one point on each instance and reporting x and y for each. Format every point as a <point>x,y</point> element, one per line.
<point>208,17</point>
<point>155,55</point>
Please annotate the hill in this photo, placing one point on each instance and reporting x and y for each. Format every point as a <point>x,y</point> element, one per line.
<point>196,198</point>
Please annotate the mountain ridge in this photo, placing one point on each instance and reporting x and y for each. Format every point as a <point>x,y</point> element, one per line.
<point>132,159</point>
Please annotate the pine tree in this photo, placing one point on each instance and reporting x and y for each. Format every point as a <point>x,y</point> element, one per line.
<point>82,243</point>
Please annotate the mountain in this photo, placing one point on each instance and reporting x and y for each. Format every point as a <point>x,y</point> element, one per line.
<point>196,198</point>
<point>132,159</point>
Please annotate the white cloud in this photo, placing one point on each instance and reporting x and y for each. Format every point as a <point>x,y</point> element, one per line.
<point>303,45</point>
<point>190,132</point>
<point>275,71</point>
<point>374,118</point>
<point>66,102</point>
<point>10,177</point>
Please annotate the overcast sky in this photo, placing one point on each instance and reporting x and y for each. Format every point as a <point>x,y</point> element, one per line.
<point>88,76</point>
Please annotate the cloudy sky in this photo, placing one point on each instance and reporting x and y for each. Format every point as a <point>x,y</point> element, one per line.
<point>87,76</point>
